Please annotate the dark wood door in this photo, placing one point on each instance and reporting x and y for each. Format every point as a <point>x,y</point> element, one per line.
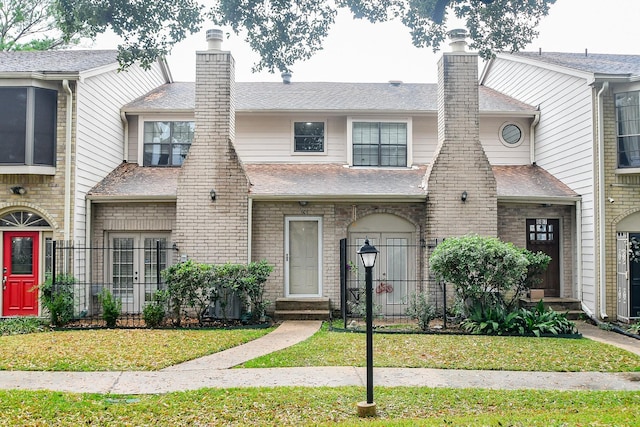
<point>634,283</point>
<point>544,235</point>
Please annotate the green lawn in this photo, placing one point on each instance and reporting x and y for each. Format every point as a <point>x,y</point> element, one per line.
<point>294,406</point>
<point>453,352</point>
<point>115,349</point>
<point>298,406</point>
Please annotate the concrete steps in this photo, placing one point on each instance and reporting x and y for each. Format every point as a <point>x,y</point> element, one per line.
<point>571,306</point>
<point>316,308</point>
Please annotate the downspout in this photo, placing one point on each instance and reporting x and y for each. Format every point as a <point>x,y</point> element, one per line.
<point>532,137</point>
<point>578,263</point>
<point>125,149</point>
<point>67,161</point>
<point>249,229</point>
<point>602,277</point>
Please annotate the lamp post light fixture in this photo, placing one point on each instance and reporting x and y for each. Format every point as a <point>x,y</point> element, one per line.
<point>368,254</point>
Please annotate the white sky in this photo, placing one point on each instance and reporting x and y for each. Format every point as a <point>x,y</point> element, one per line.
<point>357,51</point>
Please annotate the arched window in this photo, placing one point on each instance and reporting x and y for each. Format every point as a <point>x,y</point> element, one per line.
<point>23,219</point>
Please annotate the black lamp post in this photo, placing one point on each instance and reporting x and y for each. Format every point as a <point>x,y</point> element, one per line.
<point>368,255</point>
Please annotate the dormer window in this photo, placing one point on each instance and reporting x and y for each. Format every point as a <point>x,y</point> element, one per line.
<point>166,143</point>
<point>28,126</point>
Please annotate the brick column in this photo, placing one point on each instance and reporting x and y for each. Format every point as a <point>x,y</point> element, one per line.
<point>207,230</point>
<point>460,163</point>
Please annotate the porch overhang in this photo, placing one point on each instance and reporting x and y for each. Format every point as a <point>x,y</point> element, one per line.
<point>335,183</point>
<point>531,184</point>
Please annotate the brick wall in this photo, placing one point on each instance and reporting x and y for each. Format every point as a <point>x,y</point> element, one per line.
<point>460,163</point>
<point>512,228</point>
<point>268,237</point>
<point>206,230</point>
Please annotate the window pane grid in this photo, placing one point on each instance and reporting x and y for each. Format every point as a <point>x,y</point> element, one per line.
<point>379,144</point>
<point>628,128</point>
<point>167,143</point>
<point>308,137</point>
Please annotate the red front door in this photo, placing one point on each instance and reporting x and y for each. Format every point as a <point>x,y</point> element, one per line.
<point>20,273</point>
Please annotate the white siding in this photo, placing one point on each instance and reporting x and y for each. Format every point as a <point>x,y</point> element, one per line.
<point>99,128</point>
<point>497,152</point>
<point>564,138</point>
<point>269,139</point>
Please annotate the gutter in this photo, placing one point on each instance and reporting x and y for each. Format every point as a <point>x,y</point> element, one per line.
<point>249,229</point>
<point>578,263</point>
<point>67,161</point>
<point>340,198</point>
<point>601,225</point>
<point>130,199</point>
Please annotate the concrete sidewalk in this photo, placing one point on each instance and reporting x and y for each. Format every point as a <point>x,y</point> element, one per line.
<point>211,371</point>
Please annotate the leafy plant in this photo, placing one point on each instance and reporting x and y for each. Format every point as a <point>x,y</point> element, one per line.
<point>155,311</point>
<point>634,329</point>
<point>497,321</point>
<point>358,307</point>
<point>20,325</point>
<point>486,271</point>
<point>111,307</point>
<point>421,310</point>
<point>188,285</point>
<point>57,298</point>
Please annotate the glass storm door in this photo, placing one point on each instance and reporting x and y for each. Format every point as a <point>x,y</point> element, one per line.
<point>303,253</point>
<point>20,273</point>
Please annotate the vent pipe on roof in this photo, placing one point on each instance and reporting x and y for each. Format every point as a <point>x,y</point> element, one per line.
<point>286,77</point>
<point>214,39</point>
<point>395,83</point>
<point>458,39</point>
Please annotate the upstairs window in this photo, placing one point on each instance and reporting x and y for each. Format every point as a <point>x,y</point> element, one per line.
<point>308,137</point>
<point>379,144</point>
<point>28,126</point>
<point>628,126</point>
<point>167,143</point>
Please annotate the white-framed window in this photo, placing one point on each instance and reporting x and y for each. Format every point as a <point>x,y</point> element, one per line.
<point>511,134</point>
<point>166,142</point>
<point>309,137</point>
<point>379,142</point>
<point>628,128</point>
<point>28,126</point>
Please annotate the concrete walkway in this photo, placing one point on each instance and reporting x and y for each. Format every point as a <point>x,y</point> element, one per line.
<point>211,371</point>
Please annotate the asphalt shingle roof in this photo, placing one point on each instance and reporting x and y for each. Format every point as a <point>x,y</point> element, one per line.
<point>597,63</point>
<point>529,181</point>
<point>328,96</point>
<point>130,180</point>
<point>56,61</point>
<point>326,181</point>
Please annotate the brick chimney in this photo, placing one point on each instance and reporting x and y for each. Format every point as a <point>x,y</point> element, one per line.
<point>212,200</point>
<point>461,186</point>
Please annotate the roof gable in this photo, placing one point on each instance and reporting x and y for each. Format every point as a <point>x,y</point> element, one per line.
<point>594,63</point>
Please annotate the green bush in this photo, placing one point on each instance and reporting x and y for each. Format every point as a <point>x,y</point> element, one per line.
<point>58,299</point>
<point>538,322</point>
<point>155,311</point>
<point>20,325</point>
<point>421,310</point>
<point>111,307</point>
<point>486,272</point>
<point>199,286</point>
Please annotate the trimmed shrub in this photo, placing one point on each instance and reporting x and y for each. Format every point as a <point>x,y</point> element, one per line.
<point>58,298</point>
<point>111,307</point>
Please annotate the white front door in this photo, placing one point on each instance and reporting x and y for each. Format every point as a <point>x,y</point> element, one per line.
<point>303,256</point>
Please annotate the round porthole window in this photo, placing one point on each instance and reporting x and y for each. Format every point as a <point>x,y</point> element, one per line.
<point>511,135</point>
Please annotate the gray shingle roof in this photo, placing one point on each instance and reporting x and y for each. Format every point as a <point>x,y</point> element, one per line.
<point>252,96</point>
<point>56,61</point>
<point>597,63</point>
<point>129,180</point>
<point>333,180</point>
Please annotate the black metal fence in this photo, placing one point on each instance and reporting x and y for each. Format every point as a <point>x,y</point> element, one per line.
<point>130,273</point>
<point>398,277</point>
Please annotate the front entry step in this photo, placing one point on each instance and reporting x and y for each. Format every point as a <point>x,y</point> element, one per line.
<point>571,306</point>
<point>317,308</point>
